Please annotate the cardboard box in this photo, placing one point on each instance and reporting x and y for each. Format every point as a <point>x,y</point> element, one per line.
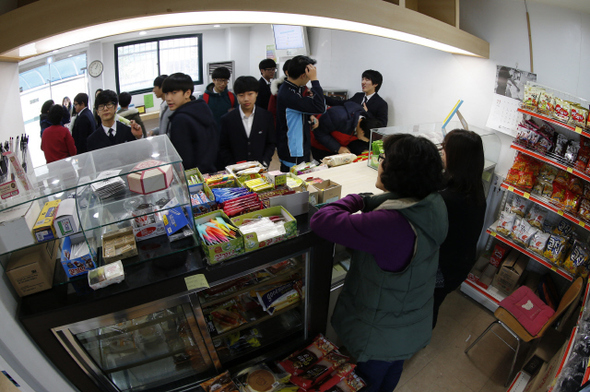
<point>118,245</point>
<point>225,250</point>
<point>314,194</point>
<point>201,207</point>
<point>31,270</point>
<point>153,177</point>
<point>295,183</point>
<point>251,241</point>
<point>297,203</point>
<point>66,218</point>
<point>43,229</point>
<point>547,373</point>
<point>328,191</point>
<point>74,266</point>
<point>178,222</point>
<point>194,178</point>
<point>277,178</point>
<point>487,276</point>
<point>499,253</point>
<point>511,272</point>
<point>148,231</point>
<point>16,226</point>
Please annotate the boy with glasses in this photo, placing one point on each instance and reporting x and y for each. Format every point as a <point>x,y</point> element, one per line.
<point>220,99</point>
<point>267,67</point>
<point>111,132</point>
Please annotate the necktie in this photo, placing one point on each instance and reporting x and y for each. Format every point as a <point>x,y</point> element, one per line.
<point>111,136</point>
<point>364,100</point>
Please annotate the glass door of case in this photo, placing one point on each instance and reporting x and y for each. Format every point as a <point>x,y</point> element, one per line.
<point>257,310</point>
<point>148,348</point>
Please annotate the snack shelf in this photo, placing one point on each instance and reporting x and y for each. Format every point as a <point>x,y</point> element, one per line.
<point>543,203</point>
<point>546,263</point>
<point>257,321</point>
<point>550,161</point>
<point>144,362</point>
<point>274,279</point>
<point>551,120</point>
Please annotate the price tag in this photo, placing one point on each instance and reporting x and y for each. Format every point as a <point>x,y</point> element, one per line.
<point>570,170</point>
<point>560,212</point>
<point>493,234</point>
<point>526,195</point>
<point>554,268</point>
<point>581,223</point>
<point>198,281</point>
<point>511,188</point>
<point>579,130</point>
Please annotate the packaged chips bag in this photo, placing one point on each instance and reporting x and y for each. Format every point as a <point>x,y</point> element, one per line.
<point>505,223</point>
<point>299,360</point>
<point>584,210</point>
<point>546,103</point>
<point>579,114</point>
<point>536,216</point>
<point>523,232</point>
<point>556,248</point>
<point>519,205</point>
<point>576,262</point>
<point>317,372</point>
<point>538,242</point>
<point>563,228</point>
<point>562,110</point>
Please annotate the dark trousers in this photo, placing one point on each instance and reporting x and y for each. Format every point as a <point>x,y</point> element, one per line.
<point>380,376</point>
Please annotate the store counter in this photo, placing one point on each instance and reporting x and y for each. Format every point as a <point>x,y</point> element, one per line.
<point>355,177</point>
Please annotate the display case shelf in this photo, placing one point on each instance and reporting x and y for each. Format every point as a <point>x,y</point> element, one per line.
<point>545,203</point>
<point>551,161</point>
<point>491,293</point>
<point>551,120</point>
<point>541,260</point>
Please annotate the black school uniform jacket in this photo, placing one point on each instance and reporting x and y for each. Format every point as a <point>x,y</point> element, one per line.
<point>376,106</point>
<point>263,94</point>
<point>99,138</point>
<point>84,126</point>
<point>235,146</point>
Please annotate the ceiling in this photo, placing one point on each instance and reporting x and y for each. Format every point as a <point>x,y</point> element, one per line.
<point>576,5</point>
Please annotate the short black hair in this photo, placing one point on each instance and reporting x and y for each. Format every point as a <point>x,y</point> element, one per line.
<point>412,166</point>
<point>124,99</point>
<point>46,106</point>
<point>104,97</point>
<point>267,63</point>
<point>81,98</point>
<point>286,66</point>
<point>220,73</point>
<point>178,82</point>
<point>159,80</point>
<point>374,76</point>
<point>56,113</point>
<point>298,65</point>
<point>369,123</point>
<point>244,84</point>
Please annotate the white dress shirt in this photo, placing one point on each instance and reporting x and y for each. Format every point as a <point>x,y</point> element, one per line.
<point>247,120</point>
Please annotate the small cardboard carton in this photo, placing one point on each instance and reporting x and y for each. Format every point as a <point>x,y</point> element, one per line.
<point>118,245</point>
<point>194,178</point>
<point>76,265</point>
<point>328,191</point>
<point>16,226</point>
<point>314,194</point>
<point>43,229</point>
<point>31,270</point>
<point>200,206</point>
<point>150,176</point>
<point>277,178</point>
<point>251,240</point>
<point>295,183</point>
<point>511,272</point>
<point>66,218</point>
<point>224,250</point>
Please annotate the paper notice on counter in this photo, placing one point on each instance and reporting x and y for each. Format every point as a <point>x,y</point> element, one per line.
<point>198,281</point>
<point>504,116</point>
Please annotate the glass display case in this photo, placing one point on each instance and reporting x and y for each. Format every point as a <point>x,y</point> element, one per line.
<point>99,182</point>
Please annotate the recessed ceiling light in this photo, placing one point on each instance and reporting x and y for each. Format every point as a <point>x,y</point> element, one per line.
<point>142,33</point>
<point>216,25</point>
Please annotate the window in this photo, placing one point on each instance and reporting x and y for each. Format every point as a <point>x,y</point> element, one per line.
<point>137,64</point>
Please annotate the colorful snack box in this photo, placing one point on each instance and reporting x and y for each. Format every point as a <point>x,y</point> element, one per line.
<point>320,370</point>
<point>298,361</point>
<point>43,229</point>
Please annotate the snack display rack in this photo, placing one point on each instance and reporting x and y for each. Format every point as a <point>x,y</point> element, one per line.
<point>153,330</point>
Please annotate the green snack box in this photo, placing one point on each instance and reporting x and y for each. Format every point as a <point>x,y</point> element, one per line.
<point>225,250</point>
<point>251,241</point>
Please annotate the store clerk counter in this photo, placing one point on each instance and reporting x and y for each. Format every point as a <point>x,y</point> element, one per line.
<point>354,177</point>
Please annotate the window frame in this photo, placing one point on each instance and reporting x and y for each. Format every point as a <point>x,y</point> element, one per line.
<point>199,37</point>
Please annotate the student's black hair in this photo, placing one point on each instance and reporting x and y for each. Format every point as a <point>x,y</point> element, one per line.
<point>104,97</point>
<point>98,91</point>
<point>298,65</point>
<point>159,80</point>
<point>286,66</point>
<point>369,123</point>
<point>412,166</point>
<point>220,73</point>
<point>81,98</point>
<point>124,99</point>
<point>46,106</point>
<point>244,84</point>
<point>178,82</point>
<point>464,163</point>
<point>56,113</point>
<point>373,76</point>
<point>267,63</point>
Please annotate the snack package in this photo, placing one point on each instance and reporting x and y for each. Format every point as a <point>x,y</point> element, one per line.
<point>240,341</point>
<point>339,159</point>
<point>560,145</point>
<point>317,372</point>
<point>227,316</point>
<point>584,210</point>
<point>536,216</point>
<point>571,201</point>
<point>505,223</point>
<point>278,297</point>
<point>498,254</point>
<point>335,377</point>
<point>260,378</point>
<point>563,228</point>
<point>519,205</point>
<point>351,383</point>
<point>558,194</point>
<point>546,103</point>
<point>523,232</point>
<point>576,262</point>
<point>571,152</point>
<point>576,185</point>
<point>296,362</point>
<point>579,114</point>
<point>220,383</point>
<point>548,172</point>
<point>538,242</point>
<point>531,97</point>
<point>562,109</point>
<point>555,250</point>
<point>562,178</point>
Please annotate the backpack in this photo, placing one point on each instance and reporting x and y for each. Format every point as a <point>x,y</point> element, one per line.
<point>232,98</point>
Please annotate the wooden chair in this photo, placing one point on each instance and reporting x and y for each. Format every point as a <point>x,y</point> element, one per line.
<point>516,329</point>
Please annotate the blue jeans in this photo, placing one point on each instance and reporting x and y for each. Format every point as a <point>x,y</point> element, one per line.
<point>380,376</point>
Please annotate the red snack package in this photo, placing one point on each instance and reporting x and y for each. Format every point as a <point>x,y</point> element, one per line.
<point>558,194</point>
<point>571,201</point>
<point>299,360</point>
<point>337,376</point>
<point>498,254</point>
<point>576,185</point>
<point>584,211</point>
<point>352,383</point>
<point>513,176</point>
<point>562,177</point>
<point>314,374</point>
<point>526,180</point>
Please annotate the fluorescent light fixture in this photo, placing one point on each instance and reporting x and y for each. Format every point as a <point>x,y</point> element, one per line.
<point>216,25</point>
<point>223,17</point>
<point>142,33</point>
